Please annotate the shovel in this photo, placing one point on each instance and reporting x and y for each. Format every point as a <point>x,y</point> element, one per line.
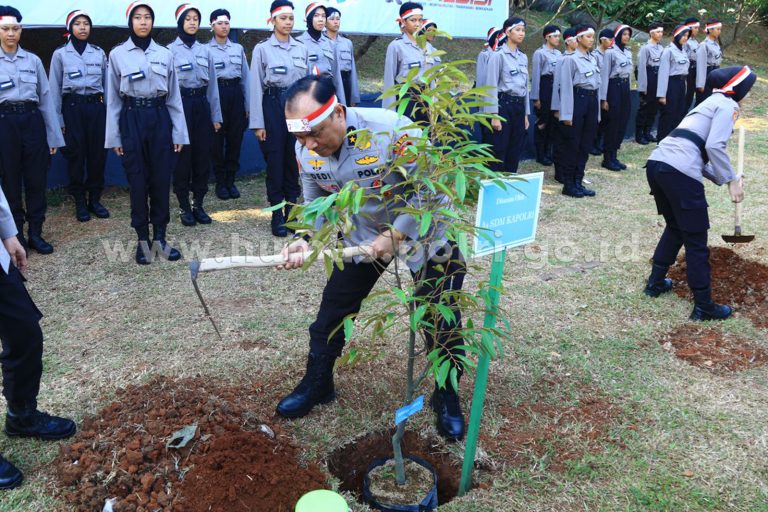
<point>737,237</point>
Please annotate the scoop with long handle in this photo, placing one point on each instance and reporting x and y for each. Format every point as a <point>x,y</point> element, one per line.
<point>737,237</point>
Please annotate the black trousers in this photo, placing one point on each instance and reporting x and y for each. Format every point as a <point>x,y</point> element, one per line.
<point>24,161</point>
<point>545,121</point>
<point>649,104</point>
<point>148,160</point>
<point>701,96</point>
<point>414,111</point>
<point>193,165</point>
<point>346,289</point>
<point>681,200</point>
<point>690,86</point>
<point>509,142</point>
<point>85,153</point>
<point>21,337</point>
<point>228,141</point>
<point>619,103</point>
<point>675,109</point>
<point>280,153</point>
<point>578,138</point>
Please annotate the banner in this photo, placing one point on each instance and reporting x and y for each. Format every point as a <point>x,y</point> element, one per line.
<point>460,18</point>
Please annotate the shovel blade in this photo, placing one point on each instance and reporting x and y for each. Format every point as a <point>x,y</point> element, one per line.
<point>738,239</point>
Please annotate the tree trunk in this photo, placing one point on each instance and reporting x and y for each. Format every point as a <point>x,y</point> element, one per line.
<point>365,47</point>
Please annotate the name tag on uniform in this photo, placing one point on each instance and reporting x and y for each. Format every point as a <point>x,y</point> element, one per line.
<point>218,65</point>
<point>553,64</point>
<point>588,74</point>
<point>313,57</point>
<point>656,59</point>
<point>137,76</point>
<point>4,86</point>
<point>280,70</point>
<point>513,72</point>
<point>412,65</point>
<point>624,64</point>
<point>186,67</point>
<point>75,74</point>
<point>682,61</point>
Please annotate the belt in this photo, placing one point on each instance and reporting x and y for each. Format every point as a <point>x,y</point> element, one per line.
<point>188,93</point>
<point>130,101</point>
<point>652,69</point>
<point>678,77</point>
<point>71,97</point>
<point>619,79</point>
<point>346,73</point>
<point>581,91</point>
<point>228,82</point>
<point>18,108</point>
<point>509,97</point>
<point>691,136</point>
<point>547,77</point>
<point>275,91</point>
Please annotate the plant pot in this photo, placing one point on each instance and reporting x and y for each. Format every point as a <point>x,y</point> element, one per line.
<point>427,502</point>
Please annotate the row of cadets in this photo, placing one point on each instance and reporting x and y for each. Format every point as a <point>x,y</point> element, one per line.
<point>605,41</point>
<point>708,58</point>
<point>560,153</point>
<point>648,60</point>
<point>545,60</point>
<point>345,54</point>
<point>277,63</point>
<point>615,96</point>
<point>322,56</point>
<point>673,75</point>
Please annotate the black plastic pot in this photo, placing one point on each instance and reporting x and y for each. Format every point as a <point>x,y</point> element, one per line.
<point>428,504</point>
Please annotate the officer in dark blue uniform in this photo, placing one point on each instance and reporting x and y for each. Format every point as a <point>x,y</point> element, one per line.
<point>22,341</point>
<point>29,131</point>
<point>146,127</point>
<point>77,77</point>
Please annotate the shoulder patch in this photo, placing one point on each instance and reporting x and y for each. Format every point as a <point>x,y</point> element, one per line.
<point>401,146</point>
<point>351,137</point>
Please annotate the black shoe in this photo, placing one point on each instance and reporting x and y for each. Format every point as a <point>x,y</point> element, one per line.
<point>595,151</point>
<point>450,420</point>
<point>222,191</point>
<point>278,224</point>
<point>10,476</point>
<point>545,161</point>
<point>618,162</point>
<point>186,217</point>
<point>233,192</point>
<point>706,309</point>
<point>658,282</point>
<point>650,137</point>
<point>587,192</point>
<point>143,252</point>
<point>315,388</point>
<point>38,243</point>
<point>200,215</point>
<point>163,248</point>
<point>81,210</point>
<point>609,163</point>
<point>640,138</point>
<point>95,206</point>
<point>30,422</point>
<point>572,191</point>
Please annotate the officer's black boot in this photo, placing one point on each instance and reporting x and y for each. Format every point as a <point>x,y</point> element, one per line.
<point>315,388</point>
<point>658,282</point>
<point>234,193</point>
<point>10,476</point>
<point>222,191</point>
<point>570,188</point>
<point>278,224</point>
<point>615,155</point>
<point>608,162</point>
<point>706,309</point>
<point>81,208</point>
<point>24,420</point>
<point>450,419</point>
<point>95,206</point>
<point>197,210</point>
<point>640,135</point>
<point>164,250</point>
<point>143,247</point>
<point>37,242</point>
<point>185,210</point>
<point>559,173</point>
<point>587,192</point>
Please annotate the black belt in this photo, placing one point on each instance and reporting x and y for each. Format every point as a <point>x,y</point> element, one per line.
<point>275,91</point>
<point>71,97</point>
<point>652,69</point>
<point>188,93</point>
<point>691,136</point>
<point>581,91</point>
<point>18,108</point>
<point>548,77</point>
<point>228,82</point>
<point>130,101</point>
<point>509,97</point>
<point>346,74</point>
<point>678,77</point>
<point>619,79</point>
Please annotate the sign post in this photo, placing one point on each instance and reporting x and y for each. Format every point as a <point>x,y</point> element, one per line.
<point>510,216</point>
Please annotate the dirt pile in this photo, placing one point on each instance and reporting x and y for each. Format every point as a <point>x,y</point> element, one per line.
<point>710,348</point>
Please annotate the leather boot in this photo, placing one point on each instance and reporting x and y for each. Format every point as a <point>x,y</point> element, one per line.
<point>222,191</point>
<point>278,224</point>
<point>81,209</point>
<point>24,420</point>
<point>185,210</point>
<point>706,309</point>
<point>95,206</point>
<point>234,193</point>
<point>37,242</point>
<point>450,419</point>
<point>143,249</point>
<point>615,155</point>
<point>640,137</point>
<point>608,162</point>
<point>10,476</point>
<point>315,388</point>
<point>587,192</point>
<point>163,248</point>
<point>570,189</point>
<point>658,282</point>
<point>199,213</point>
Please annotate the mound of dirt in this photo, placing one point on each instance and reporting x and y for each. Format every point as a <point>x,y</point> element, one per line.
<point>234,462</point>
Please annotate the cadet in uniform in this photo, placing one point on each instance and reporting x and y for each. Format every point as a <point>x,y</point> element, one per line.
<point>673,74</point>
<point>482,134</point>
<point>648,60</point>
<point>579,111</point>
<point>560,142</point>
<point>202,112</point>
<point>277,63</point>
<point>708,58</point>
<point>21,336</point>
<point>545,60</point>
<point>345,54</point>
<point>321,126</point>
<point>604,43</point>
<point>232,74</point>
<point>77,78</point>
<point>29,131</point>
<point>690,49</point>
<point>676,169</point>
<point>322,54</point>
<point>146,127</point>
<point>507,75</point>
<point>614,96</point>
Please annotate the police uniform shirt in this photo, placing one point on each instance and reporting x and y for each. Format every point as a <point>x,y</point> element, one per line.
<point>649,56</point>
<point>345,52</point>
<point>556,81</point>
<point>674,62</point>
<point>432,60</point>
<point>690,49</point>
<point>403,55</point>
<point>616,64</point>
<point>364,163</point>
<point>599,55</point>
<point>72,73</point>
<point>582,71</point>
<point>274,64</point>
<point>23,79</point>
<point>481,66</point>
<point>230,62</point>
<point>195,69</point>
<point>323,55</point>
<point>135,73</point>
<point>508,73</point>
<point>708,54</point>
<point>545,61</point>
<point>7,230</point>
<point>713,121</point>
